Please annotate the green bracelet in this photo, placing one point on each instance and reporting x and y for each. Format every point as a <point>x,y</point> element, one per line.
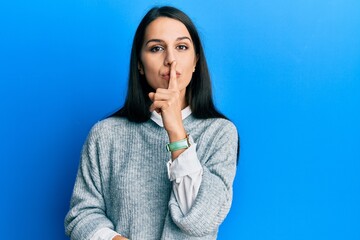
<point>181,144</point>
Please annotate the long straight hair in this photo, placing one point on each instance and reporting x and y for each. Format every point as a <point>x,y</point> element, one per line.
<point>198,92</point>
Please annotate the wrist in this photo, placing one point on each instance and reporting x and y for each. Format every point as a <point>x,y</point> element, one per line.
<point>177,135</point>
<point>178,145</point>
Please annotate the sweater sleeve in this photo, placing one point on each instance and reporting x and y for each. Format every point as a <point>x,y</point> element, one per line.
<point>214,198</point>
<point>186,174</point>
<point>87,207</point>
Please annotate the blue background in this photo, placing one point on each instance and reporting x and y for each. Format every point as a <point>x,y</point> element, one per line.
<point>286,72</point>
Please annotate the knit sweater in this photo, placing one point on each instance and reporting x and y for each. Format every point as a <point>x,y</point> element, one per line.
<point>122,181</point>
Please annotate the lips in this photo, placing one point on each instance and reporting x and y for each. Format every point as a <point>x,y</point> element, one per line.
<point>166,75</point>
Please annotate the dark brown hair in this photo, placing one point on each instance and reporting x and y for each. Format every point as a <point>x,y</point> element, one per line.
<point>198,92</point>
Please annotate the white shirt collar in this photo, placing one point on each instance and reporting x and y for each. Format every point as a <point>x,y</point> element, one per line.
<point>158,120</point>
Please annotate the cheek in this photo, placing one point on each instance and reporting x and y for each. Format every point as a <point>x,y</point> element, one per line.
<point>186,76</point>
<point>146,62</point>
<point>151,66</point>
<point>191,62</point>
<point>149,72</point>
<point>189,67</point>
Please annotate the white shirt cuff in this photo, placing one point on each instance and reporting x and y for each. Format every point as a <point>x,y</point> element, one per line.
<point>104,234</point>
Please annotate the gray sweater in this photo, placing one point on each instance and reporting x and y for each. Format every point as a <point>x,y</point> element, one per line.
<point>122,181</point>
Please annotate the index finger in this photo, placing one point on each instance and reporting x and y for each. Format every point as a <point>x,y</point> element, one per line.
<point>173,84</point>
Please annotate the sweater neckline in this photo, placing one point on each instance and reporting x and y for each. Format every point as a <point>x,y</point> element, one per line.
<point>151,125</point>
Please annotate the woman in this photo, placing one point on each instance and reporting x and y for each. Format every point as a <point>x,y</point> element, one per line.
<point>129,185</point>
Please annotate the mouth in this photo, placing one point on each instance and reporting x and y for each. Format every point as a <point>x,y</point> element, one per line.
<point>166,75</point>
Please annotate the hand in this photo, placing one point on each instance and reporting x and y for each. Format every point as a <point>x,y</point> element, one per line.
<point>118,237</point>
<point>168,103</point>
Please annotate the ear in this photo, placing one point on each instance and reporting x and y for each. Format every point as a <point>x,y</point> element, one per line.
<point>196,60</point>
<point>140,68</point>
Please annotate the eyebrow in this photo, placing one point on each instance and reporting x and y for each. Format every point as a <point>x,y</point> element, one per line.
<point>159,40</point>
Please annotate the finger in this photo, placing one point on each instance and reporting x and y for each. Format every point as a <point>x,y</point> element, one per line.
<point>160,96</point>
<point>159,105</point>
<point>155,106</point>
<point>151,108</point>
<point>173,80</point>
<point>165,91</point>
<point>151,96</point>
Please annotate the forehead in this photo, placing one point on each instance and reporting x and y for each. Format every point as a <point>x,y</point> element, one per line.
<point>166,29</point>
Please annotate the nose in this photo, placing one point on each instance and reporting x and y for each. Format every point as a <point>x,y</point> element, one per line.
<point>169,57</point>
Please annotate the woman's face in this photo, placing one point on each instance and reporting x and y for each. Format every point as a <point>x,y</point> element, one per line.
<point>167,40</point>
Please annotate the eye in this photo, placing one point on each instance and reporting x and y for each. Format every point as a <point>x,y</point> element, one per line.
<point>156,49</point>
<point>182,47</point>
